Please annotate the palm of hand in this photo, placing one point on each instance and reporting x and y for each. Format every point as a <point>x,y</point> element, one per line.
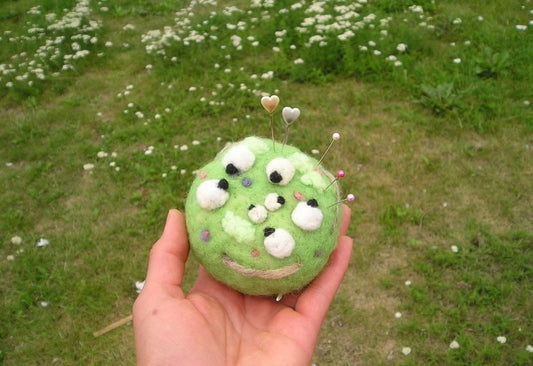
<point>215,325</point>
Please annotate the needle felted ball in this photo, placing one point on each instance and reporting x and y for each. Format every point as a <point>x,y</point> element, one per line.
<point>263,218</point>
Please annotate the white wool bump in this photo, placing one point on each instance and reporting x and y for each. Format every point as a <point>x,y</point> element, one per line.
<point>279,244</point>
<point>258,214</point>
<point>283,167</point>
<point>306,217</point>
<point>210,196</point>
<point>240,156</point>
<point>271,202</point>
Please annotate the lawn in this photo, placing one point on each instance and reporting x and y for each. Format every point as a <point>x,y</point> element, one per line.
<point>108,108</point>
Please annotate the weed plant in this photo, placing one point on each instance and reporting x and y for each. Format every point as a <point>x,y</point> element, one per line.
<point>107,108</point>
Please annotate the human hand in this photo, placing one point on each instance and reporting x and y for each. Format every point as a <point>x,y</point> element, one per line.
<point>216,325</point>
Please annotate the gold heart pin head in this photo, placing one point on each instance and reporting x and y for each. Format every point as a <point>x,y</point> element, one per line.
<point>270,103</point>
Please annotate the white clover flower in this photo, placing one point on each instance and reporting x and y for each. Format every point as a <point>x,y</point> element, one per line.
<point>184,148</point>
<point>454,248</point>
<point>372,43</point>
<point>377,52</point>
<point>101,154</point>
<point>398,63</point>
<point>344,36</point>
<point>298,61</point>
<point>276,49</point>
<point>501,339</point>
<point>406,350</point>
<point>401,47</point>
<point>109,44</point>
<point>10,257</point>
<point>529,348</point>
<point>521,27</point>
<point>363,48</point>
<point>454,345</point>
<point>42,242</point>
<point>416,9</point>
<point>17,240</point>
<point>457,21</point>
<point>88,166</point>
<point>457,60</point>
<point>50,17</point>
<point>407,283</point>
<point>268,75</point>
<point>397,315</point>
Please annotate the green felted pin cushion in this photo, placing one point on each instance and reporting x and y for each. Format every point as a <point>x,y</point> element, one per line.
<point>263,218</point>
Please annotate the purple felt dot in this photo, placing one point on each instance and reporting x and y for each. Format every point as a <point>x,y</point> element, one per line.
<point>204,235</point>
<point>247,182</point>
<point>318,253</point>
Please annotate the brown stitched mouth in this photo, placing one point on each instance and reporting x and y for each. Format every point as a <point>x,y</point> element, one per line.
<point>271,274</point>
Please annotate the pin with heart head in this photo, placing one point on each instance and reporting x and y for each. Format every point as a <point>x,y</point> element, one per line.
<point>289,116</point>
<point>270,104</point>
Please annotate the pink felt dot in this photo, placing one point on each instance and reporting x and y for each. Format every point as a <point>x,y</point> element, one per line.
<point>298,196</point>
<point>255,253</point>
<point>340,174</point>
<point>202,175</point>
<point>204,235</point>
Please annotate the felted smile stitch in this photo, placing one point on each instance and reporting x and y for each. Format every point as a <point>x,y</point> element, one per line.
<point>270,274</point>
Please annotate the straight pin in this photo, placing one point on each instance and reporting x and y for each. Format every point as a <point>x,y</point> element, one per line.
<point>340,174</point>
<point>350,198</point>
<point>336,136</point>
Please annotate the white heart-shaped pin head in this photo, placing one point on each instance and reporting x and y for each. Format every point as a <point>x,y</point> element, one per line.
<point>270,103</point>
<point>290,114</point>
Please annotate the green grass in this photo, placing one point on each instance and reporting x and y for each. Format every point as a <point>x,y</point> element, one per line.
<point>437,152</point>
